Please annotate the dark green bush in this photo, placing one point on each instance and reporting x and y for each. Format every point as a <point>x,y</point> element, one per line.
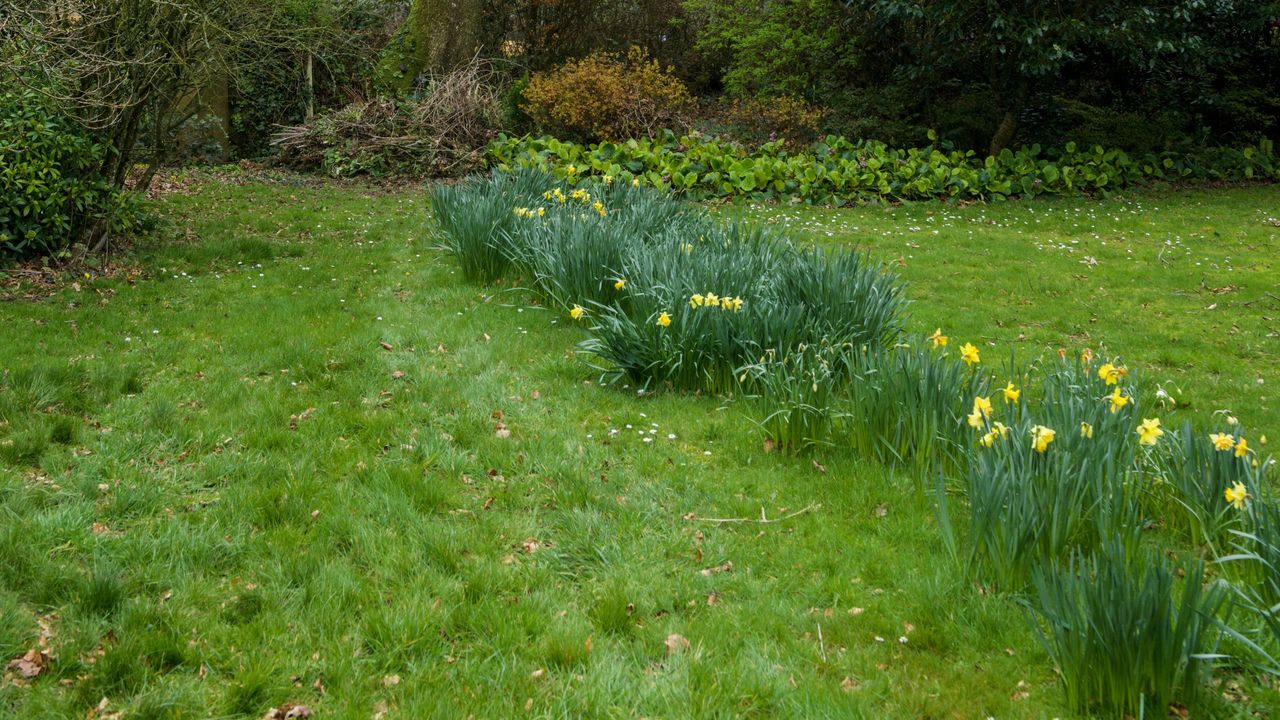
<point>51,192</point>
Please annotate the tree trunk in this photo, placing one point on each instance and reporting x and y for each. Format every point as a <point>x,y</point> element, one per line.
<point>438,35</point>
<point>1004,133</point>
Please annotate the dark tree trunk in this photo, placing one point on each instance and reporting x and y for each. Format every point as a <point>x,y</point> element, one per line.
<point>1004,132</point>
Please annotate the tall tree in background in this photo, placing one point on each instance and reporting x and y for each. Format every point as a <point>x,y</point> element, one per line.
<point>440,35</point>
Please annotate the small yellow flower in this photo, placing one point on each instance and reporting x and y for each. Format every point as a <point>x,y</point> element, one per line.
<point>619,283</point>
<point>599,208</point>
<point>558,196</point>
<point>1262,439</point>
<point>982,405</point>
<point>989,439</point>
<point>578,312</point>
<point>1000,427</point>
<point>608,179</point>
<point>737,304</point>
<point>546,195</point>
<point>571,169</point>
<point>712,300</point>
<point>1236,495</point>
<point>938,339</point>
<point>1011,393</point>
<point>664,320</point>
<point>1109,373</point>
<point>726,303</point>
<point>1149,431</point>
<point>688,248</point>
<point>1118,399</point>
<point>1221,441</point>
<point>542,212</point>
<point>696,300</point>
<point>635,182</point>
<point>1242,448</point>
<point>1086,431</point>
<point>1086,356</point>
<point>969,354</point>
<point>975,419</point>
<point>1041,436</point>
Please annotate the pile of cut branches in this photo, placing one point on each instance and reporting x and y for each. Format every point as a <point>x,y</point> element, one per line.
<point>441,132</point>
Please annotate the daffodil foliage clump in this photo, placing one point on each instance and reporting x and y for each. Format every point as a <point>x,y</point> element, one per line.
<point>670,296</point>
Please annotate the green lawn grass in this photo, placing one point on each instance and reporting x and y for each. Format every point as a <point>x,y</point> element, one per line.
<point>301,461</point>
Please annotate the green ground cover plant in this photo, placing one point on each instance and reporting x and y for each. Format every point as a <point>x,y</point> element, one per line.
<point>838,171</point>
<point>302,460</point>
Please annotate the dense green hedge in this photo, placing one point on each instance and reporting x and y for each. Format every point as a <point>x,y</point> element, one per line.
<point>51,190</point>
<point>837,171</point>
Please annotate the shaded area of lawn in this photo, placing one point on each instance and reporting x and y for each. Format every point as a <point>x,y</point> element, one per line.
<point>271,471</point>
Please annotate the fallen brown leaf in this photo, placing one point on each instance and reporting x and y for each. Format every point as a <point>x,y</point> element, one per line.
<point>676,643</point>
<point>288,711</point>
<point>31,664</point>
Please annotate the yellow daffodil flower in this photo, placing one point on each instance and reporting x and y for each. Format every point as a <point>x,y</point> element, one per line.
<point>1222,441</point>
<point>1109,373</point>
<point>619,283</point>
<point>664,320</point>
<point>608,179</point>
<point>1149,431</point>
<point>599,208</point>
<point>1236,495</point>
<point>1011,393</point>
<point>695,300</point>
<point>1086,357</point>
<point>1118,399</point>
<point>975,419</point>
<point>1086,431</point>
<point>982,405</point>
<point>737,304</point>
<point>1242,448</point>
<point>688,248</point>
<point>712,300</point>
<point>1000,427</point>
<point>989,439</point>
<point>938,339</point>
<point>1041,436</point>
<point>578,312</point>
<point>969,354</point>
<point>635,182</point>
<point>542,212</point>
<point>571,169</point>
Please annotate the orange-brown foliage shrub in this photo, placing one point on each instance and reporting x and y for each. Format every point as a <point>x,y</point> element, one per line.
<point>607,96</point>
